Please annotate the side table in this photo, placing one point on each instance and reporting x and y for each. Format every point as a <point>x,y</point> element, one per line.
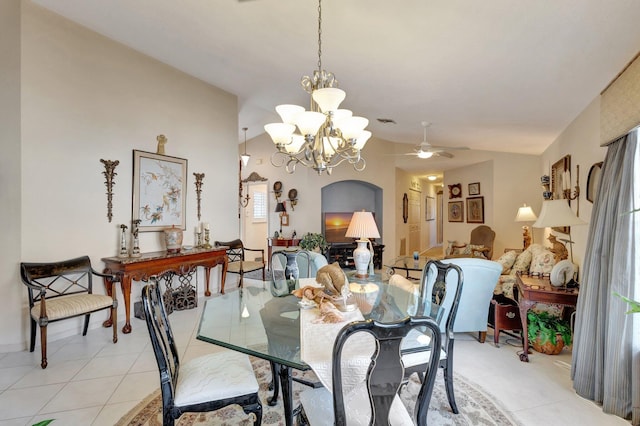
<point>532,290</point>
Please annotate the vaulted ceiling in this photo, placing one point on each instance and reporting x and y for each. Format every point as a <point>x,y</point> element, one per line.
<point>493,75</point>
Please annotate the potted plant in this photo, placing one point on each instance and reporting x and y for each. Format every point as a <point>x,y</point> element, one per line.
<point>547,334</point>
<point>311,241</point>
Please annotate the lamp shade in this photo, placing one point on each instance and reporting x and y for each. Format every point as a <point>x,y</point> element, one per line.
<point>525,214</point>
<point>280,208</point>
<point>557,213</point>
<point>362,225</point>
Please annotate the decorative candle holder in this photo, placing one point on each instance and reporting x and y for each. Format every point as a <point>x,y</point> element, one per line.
<point>198,239</point>
<point>123,241</point>
<point>135,250</point>
<point>206,244</point>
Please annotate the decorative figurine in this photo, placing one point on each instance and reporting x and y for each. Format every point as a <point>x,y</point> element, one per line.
<point>162,141</point>
<point>123,242</point>
<point>135,250</point>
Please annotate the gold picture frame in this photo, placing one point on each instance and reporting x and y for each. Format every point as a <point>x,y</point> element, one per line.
<point>159,191</point>
<point>558,175</point>
<point>284,219</point>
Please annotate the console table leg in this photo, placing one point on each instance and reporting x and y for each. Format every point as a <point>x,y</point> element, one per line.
<point>207,274</point>
<point>108,286</point>
<point>125,284</point>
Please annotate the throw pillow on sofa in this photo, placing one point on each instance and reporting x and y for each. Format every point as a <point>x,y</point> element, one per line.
<point>507,260</point>
<point>522,263</point>
<point>542,262</point>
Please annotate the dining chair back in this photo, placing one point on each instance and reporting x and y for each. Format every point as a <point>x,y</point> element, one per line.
<point>240,261</point>
<point>375,401</point>
<point>206,383</point>
<point>442,284</point>
<point>63,290</point>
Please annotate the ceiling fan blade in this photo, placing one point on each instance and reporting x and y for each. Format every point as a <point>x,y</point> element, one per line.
<point>443,154</point>
<point>447,148</point>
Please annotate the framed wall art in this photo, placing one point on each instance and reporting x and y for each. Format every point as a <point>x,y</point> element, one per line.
<point>429,208</point>
<point>284,219</point>
<point>455,190</point>
<point>456,211</point>
<point>561,171</point>
<point>475,210</point>
<point>159,191</point>
<point>474,188</point>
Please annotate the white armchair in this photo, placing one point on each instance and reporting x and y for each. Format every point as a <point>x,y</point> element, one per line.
<point>480,279</point>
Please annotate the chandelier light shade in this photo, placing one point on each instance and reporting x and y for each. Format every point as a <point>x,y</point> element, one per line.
<point>362,226</point>
<point>326,135</point>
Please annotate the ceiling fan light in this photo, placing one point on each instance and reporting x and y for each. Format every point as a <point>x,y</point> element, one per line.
<point>425,154</point>
<point>280,132</point>
<point>362,139</point>
<point>351,127</point>
<point>309,122</point>
<point>328,98</point>
<point>288,112</point>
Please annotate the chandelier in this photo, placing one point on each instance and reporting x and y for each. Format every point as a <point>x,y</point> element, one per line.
<point>327,136</point>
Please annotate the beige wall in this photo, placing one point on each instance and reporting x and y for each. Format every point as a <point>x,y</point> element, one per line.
<point>506,182</point>
<point>84,98</point>
<point>10,244</point>
<point>581,139</point>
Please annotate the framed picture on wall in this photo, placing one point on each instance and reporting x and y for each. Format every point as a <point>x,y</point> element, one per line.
<point>159,191</point>
<point>429,208</point>
<point>284,219</point>
<point>475,210</point>
<point>456,211</point>
<point>474,188</point>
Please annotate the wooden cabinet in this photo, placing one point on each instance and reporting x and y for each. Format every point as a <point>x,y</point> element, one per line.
<point>343,254</point>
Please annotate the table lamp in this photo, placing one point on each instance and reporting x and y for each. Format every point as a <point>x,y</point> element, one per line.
<point>526,214</point>
<point>558,213</point>
<point>362,226</point>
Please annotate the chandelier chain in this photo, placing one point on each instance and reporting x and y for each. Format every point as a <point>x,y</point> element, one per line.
<point>320,35</point>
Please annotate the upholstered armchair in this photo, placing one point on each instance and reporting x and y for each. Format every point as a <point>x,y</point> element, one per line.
<point>480,245</point>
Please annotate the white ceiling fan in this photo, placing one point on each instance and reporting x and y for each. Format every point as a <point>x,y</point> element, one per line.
<point>426,150</point>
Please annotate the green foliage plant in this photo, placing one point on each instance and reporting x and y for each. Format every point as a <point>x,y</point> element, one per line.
<point>547,327</point>
<point>634,305</point>
<point>311,240</point>
<point>43,422</point>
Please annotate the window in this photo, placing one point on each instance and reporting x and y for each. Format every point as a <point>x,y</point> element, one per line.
<point>259,207</point>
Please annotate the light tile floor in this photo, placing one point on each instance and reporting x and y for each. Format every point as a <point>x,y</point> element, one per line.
<point>91,381</point>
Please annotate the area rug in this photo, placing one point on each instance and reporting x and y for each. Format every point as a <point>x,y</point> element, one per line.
<point>476,407</point>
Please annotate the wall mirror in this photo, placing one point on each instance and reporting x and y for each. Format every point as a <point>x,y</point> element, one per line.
<point>593,180</point>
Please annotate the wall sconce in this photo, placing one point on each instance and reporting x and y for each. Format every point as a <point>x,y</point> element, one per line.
<point>566,188</point>
<point>293,198</point>
<point>277,190</point>
<point>244,160</point>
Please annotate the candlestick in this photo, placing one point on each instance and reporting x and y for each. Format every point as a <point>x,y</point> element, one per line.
<point>123,242</point>
<point>206,244</point>
<point>135,251</point>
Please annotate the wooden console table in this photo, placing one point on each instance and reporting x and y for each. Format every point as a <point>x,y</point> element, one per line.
<point>157,263</point>
<point>279,242</point>
<point>532,290</point>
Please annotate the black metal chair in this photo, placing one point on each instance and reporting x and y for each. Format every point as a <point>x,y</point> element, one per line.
<point>376,400</point>
<point>206,383</point>
<point>441,283</point>
<point>238,260</point>
<point>62,290</point>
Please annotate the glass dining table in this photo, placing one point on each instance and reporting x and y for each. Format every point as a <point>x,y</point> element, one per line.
<point>254,322</point>
<point>407,264</point>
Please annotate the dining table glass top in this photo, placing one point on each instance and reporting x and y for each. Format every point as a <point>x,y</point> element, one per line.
<point>254,322</point>
<point>407,263</point>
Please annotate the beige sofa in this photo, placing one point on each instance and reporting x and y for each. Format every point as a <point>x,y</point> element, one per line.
<point>536,259</point>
